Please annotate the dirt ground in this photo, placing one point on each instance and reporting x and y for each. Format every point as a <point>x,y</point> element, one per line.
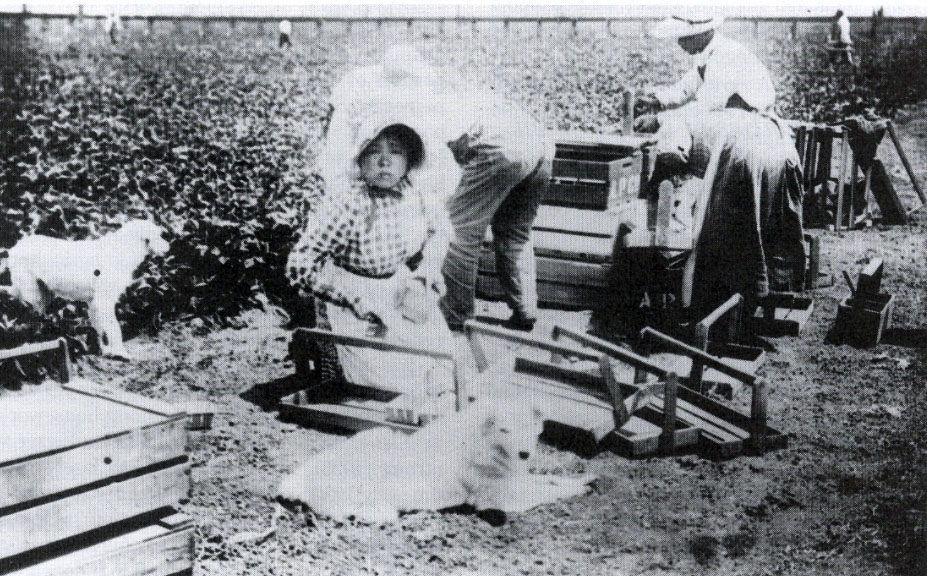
<point>847,496</point>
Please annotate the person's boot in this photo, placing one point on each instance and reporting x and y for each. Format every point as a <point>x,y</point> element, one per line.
<point>520,321</point>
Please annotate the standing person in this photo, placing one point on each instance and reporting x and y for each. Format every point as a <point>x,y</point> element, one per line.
<point>840,40</point>
<point>286,29</point>
<point>725,75</point>
<point>113,26</point>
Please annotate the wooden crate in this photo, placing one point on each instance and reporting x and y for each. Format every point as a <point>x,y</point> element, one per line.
<point>80,458</point>
<point>576,226</point>
<point>782,314</point>
<point>159,547</point>
<point>864,316</point>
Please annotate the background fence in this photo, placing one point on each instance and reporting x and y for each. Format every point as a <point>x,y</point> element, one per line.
<point>876,27</point>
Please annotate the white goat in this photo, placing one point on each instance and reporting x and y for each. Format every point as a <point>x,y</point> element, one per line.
<point>97,272</point>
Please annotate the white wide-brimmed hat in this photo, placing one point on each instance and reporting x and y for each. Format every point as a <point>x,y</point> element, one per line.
<point>676,27</point>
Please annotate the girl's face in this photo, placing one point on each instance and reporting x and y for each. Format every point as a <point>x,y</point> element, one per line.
<point>384,162</point>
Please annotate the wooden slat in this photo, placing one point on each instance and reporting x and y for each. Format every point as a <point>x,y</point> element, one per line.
<point>579,195</point>
<point>148,551</point>
<point>51,419</point>
<point>347,417</point>
<point>84,464</point>
<point>374,343</point>
<point>890,205</point>
<point>628,142</point>
<point>573,247</point>
<point>557,295</point>
<point>773,438</point>
<point>705,358</point>
<point>27,349</point>
<point>47,523</point>
<point>904,161</point>
<point>121,397</point>
<point>555,270</point>
<point>582,169</point>
<point>575,221</point>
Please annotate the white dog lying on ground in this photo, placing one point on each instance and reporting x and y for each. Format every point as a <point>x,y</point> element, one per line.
<point>97,272</point>
<point>478,456</point>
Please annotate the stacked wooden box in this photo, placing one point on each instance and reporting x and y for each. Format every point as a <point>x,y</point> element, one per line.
<point>574,232</point>
<point>89,481</point>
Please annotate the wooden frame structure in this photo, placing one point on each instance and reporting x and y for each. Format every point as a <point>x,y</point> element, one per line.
<point>816,146</point>
<point>724,431</point>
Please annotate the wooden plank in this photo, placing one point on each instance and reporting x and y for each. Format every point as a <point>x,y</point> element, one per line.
<point>48,523</point>
<point>619,353</point>
<point>905,162</point>
<point>549,294</point>
<point>120,397</point>
<point>354,418</point>
<point>582,169</point>
<point>148,551</point>
<point>705,358</point>
<point>555,270</point>
<point>84,464</point>
<point>571,246</point>
<point>576,194</point>
<point>841,180</point>
<point>374,343</point>
<point>626,142</point>
<point>51,419</point>
<point>575,221</point>
<point>27,349</point>
<point>890,204</point>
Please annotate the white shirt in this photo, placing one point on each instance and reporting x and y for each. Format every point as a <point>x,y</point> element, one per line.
<point>286,27</point>
<point>844,23</point>
<point>722,69</point>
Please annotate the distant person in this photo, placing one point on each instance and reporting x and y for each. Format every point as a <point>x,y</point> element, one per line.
<point>725,75</point>
<point>113,27</point>
<point>841,44</point>
<point>286,29</point>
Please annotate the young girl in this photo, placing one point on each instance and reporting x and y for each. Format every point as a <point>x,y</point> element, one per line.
<point>378,219</point>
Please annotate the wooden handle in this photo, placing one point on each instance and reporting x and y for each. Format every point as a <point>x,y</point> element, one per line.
<point>612,350</point>
<point>376,344</point>
<point>472,326</point>
<point>707,359</point>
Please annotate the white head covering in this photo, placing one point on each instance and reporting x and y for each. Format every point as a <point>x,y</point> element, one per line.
<point>676,27</point>
<point>405,90</point>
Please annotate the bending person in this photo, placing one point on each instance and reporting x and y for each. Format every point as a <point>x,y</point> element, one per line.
<point>725,74</point>
<point>747,224</point>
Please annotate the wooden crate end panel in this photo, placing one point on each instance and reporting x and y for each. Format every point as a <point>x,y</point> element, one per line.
<point>89,463</point>
<point>60,519</point>
<point>150,551</point>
